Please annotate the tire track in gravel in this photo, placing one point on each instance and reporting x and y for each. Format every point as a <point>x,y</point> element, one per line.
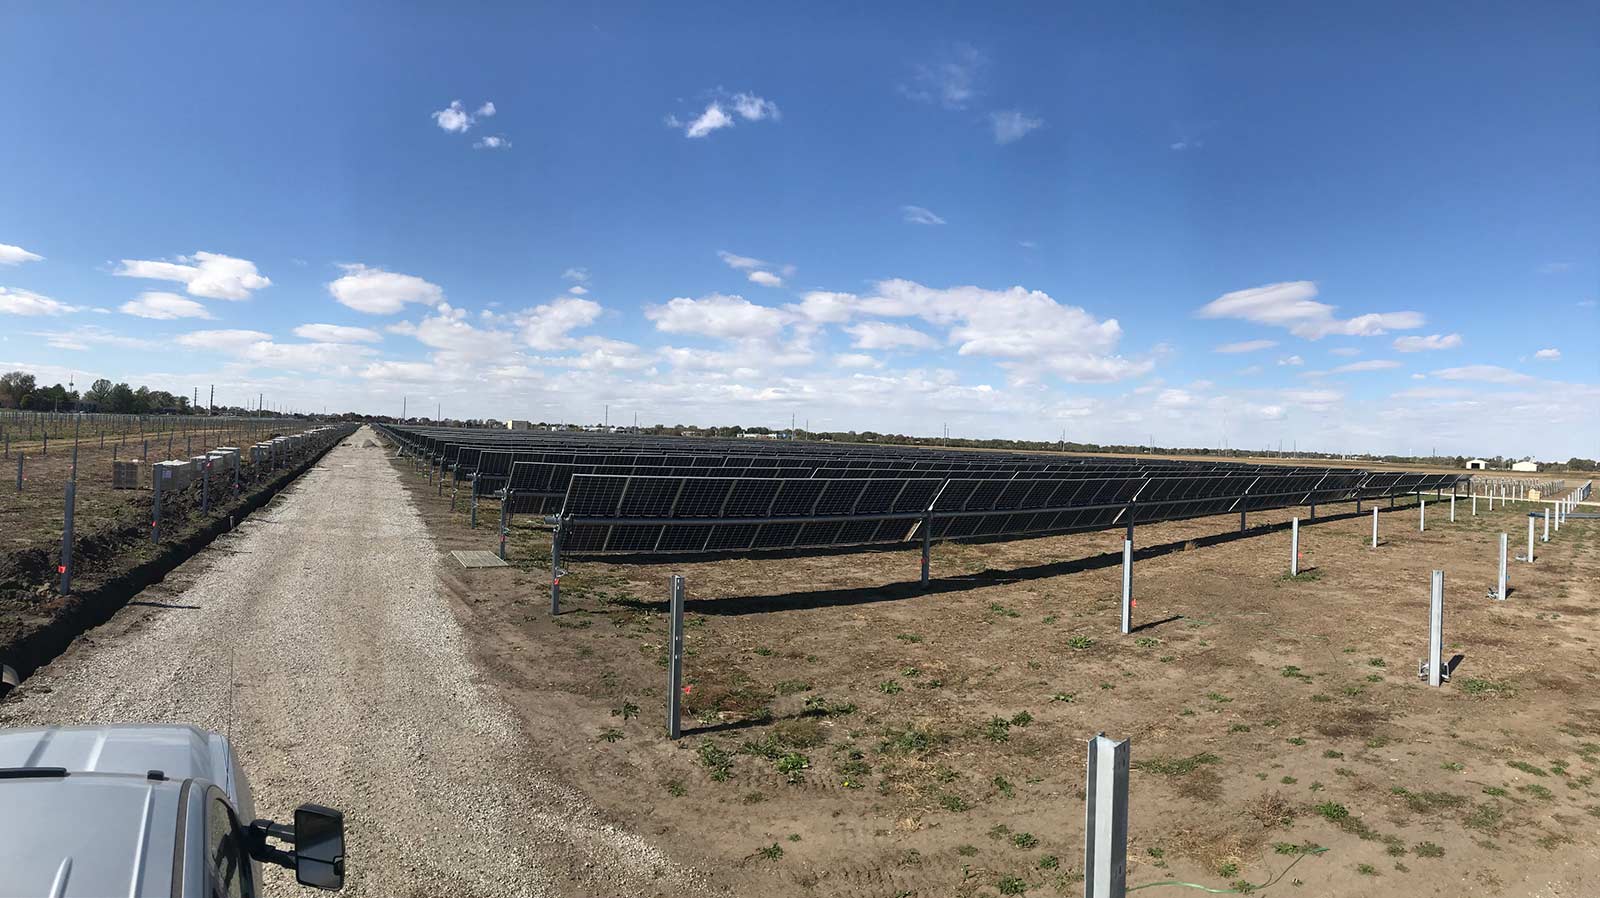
<point>319,636</point>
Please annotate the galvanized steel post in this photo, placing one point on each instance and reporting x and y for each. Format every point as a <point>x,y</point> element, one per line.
<point>66,536</point>
<point>1547,525</point>
<point>505,521</point>
<point>555,569</point>
<point>927,547</point>
<point>1452,508</point>
<point>1294,548</point>
<point>1105,830</point>
<point>1436,631</point>
<point>1374,528</point>
<point>1127,586</point>
<point>474,500</point>
<point>1500,588</point>
<point>1530,539</point>
<point>675,660</point>
<point>1422,513</point>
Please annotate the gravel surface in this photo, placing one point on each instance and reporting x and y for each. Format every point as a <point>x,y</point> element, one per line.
<point>318,637</point>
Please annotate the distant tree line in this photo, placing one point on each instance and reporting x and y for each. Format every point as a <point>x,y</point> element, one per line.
<point>19,389</point>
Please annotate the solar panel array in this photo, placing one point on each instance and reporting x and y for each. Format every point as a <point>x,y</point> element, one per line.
<point>688,495</point>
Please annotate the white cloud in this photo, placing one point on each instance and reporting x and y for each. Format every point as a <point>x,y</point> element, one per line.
<point>14,301</point>
<point>577,289</point>
<point>1345,351</point>
<point>823,307</point>
<point>766,279</point>
<point>15,255</point>
<point>1246,346</point>
<point>379,292</point>
<point>487,109</point>
<point>716,315</point>
<point>163,307</point>
<point>1027,329</point>
<point>578,275</point>
<point>1291,360</point>
<point>1012,125</point>
<point>88,336</point>
<point>222,340</point>
<point>753,108</point>
<point>879,335</point>
<point>210,275</point>
<point>921,216</point>
<point>492,142</point>
<point>547,327</point>
<point>1548,355</point>
<point>454,118</point>
<point>1430,342</point>
<point>1368,365</point>
<point>1493,374</point>
<point>713,119</point>
<point>950,82</point>
<point>1292,305</point>
<point>258,350</point>
<point>856,360</point>
<point>337,333</point>
<point>1555,267</point>
<point>740,263</point>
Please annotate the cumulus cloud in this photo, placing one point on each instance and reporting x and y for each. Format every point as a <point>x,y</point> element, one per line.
<point>1292,305</point>
<point>14,301</point>
<point>576,275</point>
<point>823,307</point>
<point>1012,125</point>
<point>880,335</point>
<point>1493,374</point>
<point>221,340</point>
<point>457,120</point>
<point>765,279</point>
<point>163,307</point>
<point>1430,342</point>
<point>1246,346</point>
<point>921,216</point>
<point>757,271</point>
<point>856,360</point>
<point>16,255</point>
<point>209,275</point>
<point>725,111</point>
<point>1548,355</point>
<point>379,292</point>
<point>1291,360</point>
<point>257,349</point>
<point>548,327</point>
<point>337,333</point>
<point>1345,351</point>
<point>752,108</point>
<point>1368,365</point>
<point>717,315</point>
<point>492,142</point>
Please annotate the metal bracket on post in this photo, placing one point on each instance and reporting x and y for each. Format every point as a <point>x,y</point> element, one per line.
<point>675,660</point>
<point>1432,667</point>
<point>1294,548</point>
<point>1105,829</point>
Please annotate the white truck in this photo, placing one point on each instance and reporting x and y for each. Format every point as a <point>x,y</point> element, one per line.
<point>89,812</point>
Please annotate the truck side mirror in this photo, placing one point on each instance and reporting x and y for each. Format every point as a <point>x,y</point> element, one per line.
<point>319,847</point>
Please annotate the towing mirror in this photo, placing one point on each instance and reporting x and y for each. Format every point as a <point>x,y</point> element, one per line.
<point>319,847</point>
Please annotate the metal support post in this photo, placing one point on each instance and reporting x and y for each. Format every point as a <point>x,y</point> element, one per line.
<point>474,501</point>
<point>675,660</point>
<point>1243,521</point>
<point>1422,514</point>
<point>1474,504</point>
<point>1127,585</point>
<point>20,457</point>
<point>927,548</point>
<point>505,521</point>
<point>1452,508</point>
<point>1374,528</point>
<point>1435,660</point>
<point>1530,539</point>
<point>1500,588</point>
<point>65,568</point>
<point>555,569</point>
<point>1294,548</point>
<point>1105,839</point>
<point>155,514</point>
<point>205,487</point>
<point>1547,525</point>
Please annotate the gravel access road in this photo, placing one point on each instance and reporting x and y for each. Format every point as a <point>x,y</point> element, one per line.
<point>317,635</point>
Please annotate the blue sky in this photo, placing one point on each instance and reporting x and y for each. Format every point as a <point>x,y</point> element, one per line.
<point>1016,223</point>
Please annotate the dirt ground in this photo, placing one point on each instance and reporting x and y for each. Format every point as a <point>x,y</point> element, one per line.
<point>847,734</point>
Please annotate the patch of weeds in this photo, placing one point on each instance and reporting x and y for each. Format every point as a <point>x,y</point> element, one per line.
<point>953,802</point>
<point>1537,791</point>
<point>675,788</point>
<point>794,837</point>
<point>1294,673</point>
<point>609,734</point>
<point>763,651</point>
<point>753,797</point>
<point>890,687</point>
<point>1147,642</point>
<point>1166,659</point>
<point>1065,697</point>
<point>1331,754</point>
<point>1239,728</point>
<point>1485,817</point>
<point>1288,781</point>
<point>966,850</point>
<point>1025,841</point>
<point>1295,740</point>
<point>1332,811</point>
<point>909,637</point>
<point>1427,802</point>
<point>1378,741</point>
<point>1049,862</point>
<point>1227,868</point>
<point>770,853</point>
<point>1343,771</point>
<point>1374,678</point>
<point>1495,791</point>
<point>1319,697</point>
<point>998,729</point>
<point>792,765</point>
<point>1050,619</point>
<point>1304,576</point>
<point>790,687</point>
<point>1485,686</point>
<point>627,712</point>
<point>1003,786</point>
<point>1525,767</point>
<point>1316,787</point>
<point>1079,643</point>
<point>1003,611</point>
<point>716,759</point>
<point>1176,766</point>
<point>1218,697</point>
<point>1376,662</point>
<point>1427,849</point>
<point>1354,691</point>
<point>1366,870</point>
<point>911,740</point>
<point>819,706</point>
<point>1012,885</point>
<point>911,673</point>
<point>1021,719</point>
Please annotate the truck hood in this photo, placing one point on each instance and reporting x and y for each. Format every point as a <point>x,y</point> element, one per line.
<point>90,835</point>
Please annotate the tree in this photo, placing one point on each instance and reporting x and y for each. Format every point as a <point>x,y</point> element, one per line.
<point>99,392</point>
<point>16,386</point>
<point>122,399</point>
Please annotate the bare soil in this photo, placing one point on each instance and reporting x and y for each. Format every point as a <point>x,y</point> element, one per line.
<point>848,734</point>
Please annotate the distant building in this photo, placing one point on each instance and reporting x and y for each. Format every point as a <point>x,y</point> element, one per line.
<point>1477,464</point>
<point>1526,466</point>
<point>519,425</point>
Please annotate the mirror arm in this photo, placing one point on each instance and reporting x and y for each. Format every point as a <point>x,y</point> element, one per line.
<point>257,835</point>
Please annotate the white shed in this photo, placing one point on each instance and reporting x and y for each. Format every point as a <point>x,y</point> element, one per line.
<point>1477,464</point>
<point>1527,466</point>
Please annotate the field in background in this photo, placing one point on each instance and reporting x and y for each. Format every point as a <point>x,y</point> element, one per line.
<point>852,735</point>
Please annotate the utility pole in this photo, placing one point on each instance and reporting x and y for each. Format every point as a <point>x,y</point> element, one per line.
<point>211,404</point>
<point>403,401</point>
